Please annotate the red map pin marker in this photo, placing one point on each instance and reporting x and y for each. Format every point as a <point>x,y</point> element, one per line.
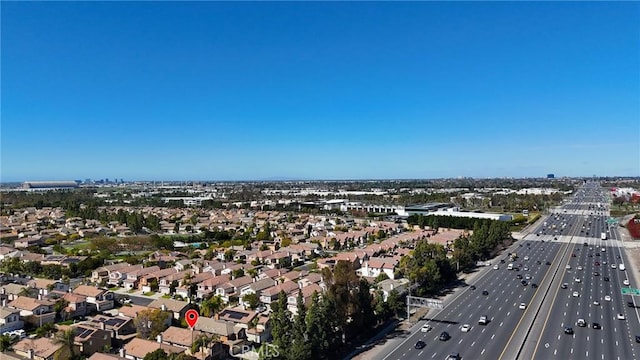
<point>191,316</point>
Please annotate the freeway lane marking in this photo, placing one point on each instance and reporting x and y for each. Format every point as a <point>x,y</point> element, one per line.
<point>473,343</point>
<point>420,353</point>
<point>434,355</point>
<point>492,336</point>
<point>501,323</point>
<point>482,352</point>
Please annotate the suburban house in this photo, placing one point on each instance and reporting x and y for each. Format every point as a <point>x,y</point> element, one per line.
<point>10,292</point>
<point>257,287</point>
<point>132,278</point>
<point>377,265</point>
<point>228,333</point>
<point>164,284</point>
<point>137,348</point>
<point>209,285</point>
<point>131,312</point>
<point>37,349</point>
<point>119,327</point>
<point>178,337</point>
<point>232,287</point>
<point>102,273</point>
<point>97,299</point>
<point>269,295</point>
<point>44,286</point>
<point>147,280</point>
<point>77,305</point>
<point>307,294</point>
<point>34,311</point>
<point>90,340</point>
<point>262,332</point>
<point>184,289</point>
<point>177,308</point>
<point>10,319</point>
<point>116,277</point>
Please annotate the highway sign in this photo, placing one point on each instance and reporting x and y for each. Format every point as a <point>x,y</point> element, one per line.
<point>630,291</point>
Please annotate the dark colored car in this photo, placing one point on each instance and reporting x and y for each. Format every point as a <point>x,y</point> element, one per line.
<point>485,292</point>
<point>444,336</point>
<point>472,287</point>
<point>524,283</point>
<point>606,278</point>
<point>568,330</point>
<point>420,344</point>
<point>453,356</point>
<point>638,338</point>
<point>519,277</point>
<point>596,325</point>
<point>548,263</point>
<point>535,286</point>
<point>630,304</point>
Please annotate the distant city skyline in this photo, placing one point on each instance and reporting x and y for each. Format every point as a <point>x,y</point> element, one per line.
<point>244,91</point>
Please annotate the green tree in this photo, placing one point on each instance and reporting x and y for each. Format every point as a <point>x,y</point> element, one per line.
<point>211,306</point>
<point>149,323</point>
<point>281,327</point>
<point>5,343</point>
<point>300,347</point>
<point>252,299</point>
<point>157,354</point>
<point>67,340</point>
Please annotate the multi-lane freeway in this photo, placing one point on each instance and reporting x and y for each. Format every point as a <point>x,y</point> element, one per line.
<point>558,281</point>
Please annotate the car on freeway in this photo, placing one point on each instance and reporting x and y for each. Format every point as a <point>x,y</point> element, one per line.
<point>596,302</point>
<point>534,285</point>
<point>620,316</point>
<point>484,320</point>
<point>568,267</point>
<point>426,328</point>
<point>607,298</point>
<point>638,338</point>
<point>581,323</point>
<point>577,280</point>
<point>548,263</point>
<point>472,287</point>
<point>496,267</point>
<point>579,267</point>
<point>568,330</point>
<point>465,328</point>
<point>485,292</point>
<point>564,285</point>
<point>596,263</point>
<point>527,277</point>
<point>573,255</point>
<point>575,294</point>
<point>524,283</point>
<point>606,278</point>
<point>420,344</point>
<point>630,304</point>
<point>596,325</point>
<point>444,336</point>
<point>613,266</point>
<point>595,273</point>
<point>519,277</point>
<point>453,356</point>
<point>626,282</point>
<point>522,306</point>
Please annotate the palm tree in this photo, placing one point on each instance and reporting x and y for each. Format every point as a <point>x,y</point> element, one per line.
<point>201,343</point>
<point>25,291</point>
<point>5,343</point>
<point>67,340</point>
<point>212,306</point>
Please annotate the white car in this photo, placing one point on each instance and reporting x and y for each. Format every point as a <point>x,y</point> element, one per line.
<point>596,302</point>
<point>620,316</point>
<point>626,282</point>
<point>613,266</point>
<point>495,267</point>
<point>579,267</point>
<point>465,328</point>
<point>526,258</point>
<point>575,294</point>
<point>426,328</point>
<point>568,267</point>
<point>577,280</point>
<point>607,298</point>
<point>522,306</point>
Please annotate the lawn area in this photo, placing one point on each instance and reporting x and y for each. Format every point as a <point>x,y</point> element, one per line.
<point>150,293</point>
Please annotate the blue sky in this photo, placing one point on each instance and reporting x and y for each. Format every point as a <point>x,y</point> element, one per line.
<point>322,90</point>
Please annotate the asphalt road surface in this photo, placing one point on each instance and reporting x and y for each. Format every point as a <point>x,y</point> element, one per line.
<point>537,331</point>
